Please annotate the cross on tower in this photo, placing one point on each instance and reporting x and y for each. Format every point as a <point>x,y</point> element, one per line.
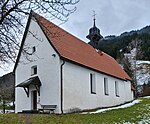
<point>94,33</point>
<point>94,15</point>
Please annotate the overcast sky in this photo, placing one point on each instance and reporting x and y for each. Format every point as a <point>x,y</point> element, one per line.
<point>113,17</point>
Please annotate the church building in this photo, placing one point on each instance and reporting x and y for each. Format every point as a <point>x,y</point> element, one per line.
<point>54,67</point>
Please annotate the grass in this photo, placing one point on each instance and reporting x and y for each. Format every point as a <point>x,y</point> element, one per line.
<point>138,112</point>
<point>7,107</point>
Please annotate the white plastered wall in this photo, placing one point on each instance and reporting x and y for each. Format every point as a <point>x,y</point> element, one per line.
<point>48,70</point>
<point>77,92</point>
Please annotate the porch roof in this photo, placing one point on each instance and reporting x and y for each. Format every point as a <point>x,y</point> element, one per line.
<point>31,81</point>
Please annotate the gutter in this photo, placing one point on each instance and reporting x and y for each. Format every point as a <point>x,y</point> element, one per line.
<point>61,85</point>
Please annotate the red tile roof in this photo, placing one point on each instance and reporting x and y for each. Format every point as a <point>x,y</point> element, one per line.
<point>72,48</point>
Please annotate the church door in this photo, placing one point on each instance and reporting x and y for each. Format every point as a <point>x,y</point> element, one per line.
<point>34,100</point>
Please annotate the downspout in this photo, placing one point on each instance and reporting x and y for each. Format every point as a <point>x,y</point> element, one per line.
<point>61,85</point>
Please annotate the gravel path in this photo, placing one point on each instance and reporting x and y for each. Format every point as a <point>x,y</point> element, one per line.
<point>28,117</point>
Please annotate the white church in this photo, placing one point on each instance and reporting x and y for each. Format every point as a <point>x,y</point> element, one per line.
<point>62,71</point>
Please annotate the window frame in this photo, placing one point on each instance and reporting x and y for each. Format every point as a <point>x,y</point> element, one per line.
<point>34,70</point>
<point>33,49</point>
<point>92,83</point>
<point>106,92</point>
<point>117,88</point>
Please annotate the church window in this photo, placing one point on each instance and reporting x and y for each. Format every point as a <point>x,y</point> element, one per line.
<point>116,88</point>
<point>106,86</point>
<point>33,49</point>
<point>93,83</point>
<point>33,70</point>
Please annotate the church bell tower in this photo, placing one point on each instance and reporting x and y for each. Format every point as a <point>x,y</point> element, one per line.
<point>94,35</point>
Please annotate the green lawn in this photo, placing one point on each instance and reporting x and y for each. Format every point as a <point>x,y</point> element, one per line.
<point>7,107</point>
<point>138,112</point>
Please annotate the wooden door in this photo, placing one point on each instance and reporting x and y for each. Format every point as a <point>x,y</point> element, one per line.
<point>34,100</point>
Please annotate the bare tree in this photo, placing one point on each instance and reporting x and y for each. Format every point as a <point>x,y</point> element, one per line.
<point>13,16</point>
<point>127,66</point>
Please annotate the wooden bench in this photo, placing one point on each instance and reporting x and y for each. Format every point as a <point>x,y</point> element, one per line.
<point>47,107</point>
